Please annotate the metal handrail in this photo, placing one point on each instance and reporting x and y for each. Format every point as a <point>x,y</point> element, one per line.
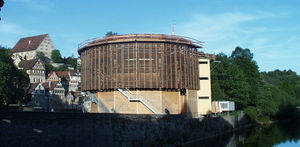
<point>159,36</point>
<point>140,96</point>
<point>143,98</point>
<point>98,102</point>
<point>129,97</point>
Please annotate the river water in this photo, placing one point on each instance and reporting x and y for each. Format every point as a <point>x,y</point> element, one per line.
<point>273,135</point>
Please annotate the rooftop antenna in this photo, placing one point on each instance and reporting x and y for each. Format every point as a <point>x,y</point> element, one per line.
<point>174,28</point>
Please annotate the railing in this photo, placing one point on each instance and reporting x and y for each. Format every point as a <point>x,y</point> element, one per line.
<point>86,42</point>
<point>98,102</point>
<point>129,96</point>
<point>158,36</point>
<point>86,106</point>
<point>145,100</point>
<point>207,56</point>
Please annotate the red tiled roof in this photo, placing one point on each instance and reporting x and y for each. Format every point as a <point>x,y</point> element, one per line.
<point>27,64</point>
<point>63,74</point>
<point>32,87</point>
<point>48,76</point>
<point>49,85</point>
<point>29,43</point>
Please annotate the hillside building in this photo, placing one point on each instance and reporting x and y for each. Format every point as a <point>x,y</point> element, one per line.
<point>35,69</point>
<point>26,48</point>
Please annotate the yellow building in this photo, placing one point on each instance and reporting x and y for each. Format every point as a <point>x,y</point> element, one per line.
<point>143,74</point>
<point>204,94</point>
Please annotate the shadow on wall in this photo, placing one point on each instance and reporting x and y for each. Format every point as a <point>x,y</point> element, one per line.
<point>42,104</point>
<point>81,129</point>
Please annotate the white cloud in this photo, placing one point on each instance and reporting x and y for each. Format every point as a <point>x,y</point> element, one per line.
<point>11,32</point>
<point>14,29</point>
<point>221,31</point>
<point>273,46</point>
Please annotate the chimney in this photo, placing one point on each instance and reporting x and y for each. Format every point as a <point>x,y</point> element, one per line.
<point>174,29</point>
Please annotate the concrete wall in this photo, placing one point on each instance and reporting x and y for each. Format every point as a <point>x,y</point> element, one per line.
<point>158,100</point>
<point>204,94</point>
<point>46,47</point>
<point>192,107</point>
<point>77,129</point>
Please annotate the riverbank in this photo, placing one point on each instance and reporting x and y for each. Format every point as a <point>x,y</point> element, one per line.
<point>78,129</point>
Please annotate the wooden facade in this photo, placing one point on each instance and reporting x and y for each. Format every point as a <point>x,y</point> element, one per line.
<point>136,64</point>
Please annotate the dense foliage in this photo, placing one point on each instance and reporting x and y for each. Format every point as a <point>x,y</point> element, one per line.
<point>1,5</point>
<point>110,33</point>
<point>56,58</point>
<point>13,82</point>
<point>260,95</point>
<point>272,135</point>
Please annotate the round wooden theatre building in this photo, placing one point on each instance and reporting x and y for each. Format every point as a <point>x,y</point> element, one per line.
<point>141,74</point>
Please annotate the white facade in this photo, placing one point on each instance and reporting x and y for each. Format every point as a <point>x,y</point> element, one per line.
<point>74,82</point>
<point>37,73</point>
<point>46,47</point>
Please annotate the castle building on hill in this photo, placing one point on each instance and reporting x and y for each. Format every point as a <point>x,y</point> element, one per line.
<point>26,48</point>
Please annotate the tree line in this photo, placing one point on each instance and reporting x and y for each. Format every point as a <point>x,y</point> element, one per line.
<point>57,58</point>
<point>13,82</point>
<point>262,95</point>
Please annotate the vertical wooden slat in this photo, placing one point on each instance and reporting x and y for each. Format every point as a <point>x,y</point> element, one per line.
<point>150,50</point>
<point>137,65</point>
<point>99,67</point>
<point>144,65</point>
<point>156,66</point>
<point>128,65</point>
<point>163,66</point>
<point>140,65</point>
<point>175,54</point>
<point>116,66</point>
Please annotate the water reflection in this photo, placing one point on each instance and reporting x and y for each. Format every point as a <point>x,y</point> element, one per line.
<point>283,134</point>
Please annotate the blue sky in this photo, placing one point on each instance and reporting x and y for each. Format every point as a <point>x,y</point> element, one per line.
<point>269,28</point>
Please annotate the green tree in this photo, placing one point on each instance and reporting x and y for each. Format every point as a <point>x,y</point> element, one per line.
<point>61,68</point>
<point>1,5</point>
<point>72,62</point>
<point>229,82</point>
<point>46,61</point>
<point>56,56</point>
<point>13,82</point>
<point>263,96</point>
<point>243,58</point>
<point>110,33</point>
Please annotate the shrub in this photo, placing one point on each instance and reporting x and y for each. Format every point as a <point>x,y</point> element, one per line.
<point>251,112</point>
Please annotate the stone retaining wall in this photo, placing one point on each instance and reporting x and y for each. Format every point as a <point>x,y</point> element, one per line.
<point>82,129</point>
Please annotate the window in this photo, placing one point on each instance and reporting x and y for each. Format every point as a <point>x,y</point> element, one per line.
<point>203,62</point>
<point>203,78</point>
<point>224,105</point>
<point>203,97</point>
